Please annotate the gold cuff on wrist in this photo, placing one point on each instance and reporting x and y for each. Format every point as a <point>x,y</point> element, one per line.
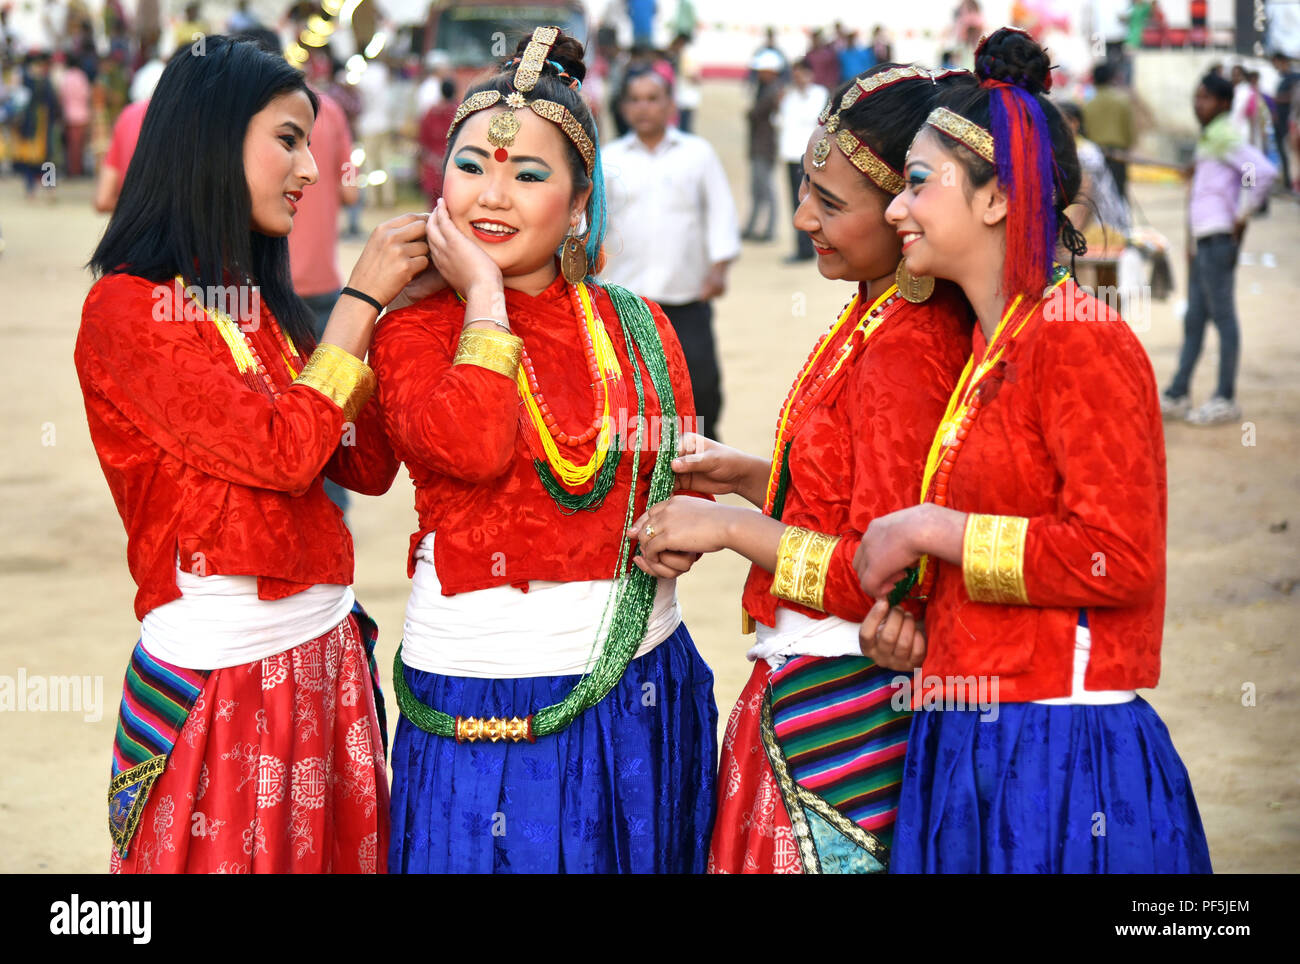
<point>802,563</point>
<point>993,558</point>
<point>343,378</point>
<point>493,350</point>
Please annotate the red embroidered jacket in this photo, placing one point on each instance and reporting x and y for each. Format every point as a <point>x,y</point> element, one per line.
<point>861,453</point>
<point>1072,440</point>
<point>203,466</point>
<point>456,428</point>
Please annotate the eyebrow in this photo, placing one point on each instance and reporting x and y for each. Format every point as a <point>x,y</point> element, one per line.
<point>825,193</point>
<point>295,128</point>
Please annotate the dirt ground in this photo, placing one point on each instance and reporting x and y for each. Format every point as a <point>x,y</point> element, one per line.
<point>1228,691</point>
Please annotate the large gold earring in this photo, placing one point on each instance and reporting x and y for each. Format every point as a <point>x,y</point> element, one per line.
<point>573,259</point>
<point>913,289</point>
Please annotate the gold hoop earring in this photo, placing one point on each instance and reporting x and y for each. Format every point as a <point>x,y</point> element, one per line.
<point>573,259</point>
<point>913,289</point>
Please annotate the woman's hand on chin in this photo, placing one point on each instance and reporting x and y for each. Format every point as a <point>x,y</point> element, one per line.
<point>462,263</point>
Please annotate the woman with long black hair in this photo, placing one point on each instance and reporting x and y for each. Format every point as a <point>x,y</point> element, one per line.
<point>249,738</point>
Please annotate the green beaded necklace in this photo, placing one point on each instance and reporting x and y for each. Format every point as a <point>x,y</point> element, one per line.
<point>633,593</point>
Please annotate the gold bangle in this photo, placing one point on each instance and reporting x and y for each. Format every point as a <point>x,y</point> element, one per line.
<point>802,563</point>
<point>993,558</point>
<point>493,350</point>
<point>343,378</point>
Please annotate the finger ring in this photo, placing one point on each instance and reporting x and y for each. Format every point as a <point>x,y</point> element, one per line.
<point>649,533</point>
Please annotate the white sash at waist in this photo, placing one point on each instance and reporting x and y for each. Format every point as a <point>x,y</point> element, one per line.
<point>798,634</point>
<point>505,633</point>
<point>220,622</point>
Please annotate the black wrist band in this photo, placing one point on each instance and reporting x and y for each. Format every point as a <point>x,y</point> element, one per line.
<point>364,297</point>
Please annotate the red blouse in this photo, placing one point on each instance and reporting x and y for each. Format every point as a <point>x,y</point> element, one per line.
<point>203,466</point>
<point>1071,439</point>
<point>861,453</point>
<point>456,428</point>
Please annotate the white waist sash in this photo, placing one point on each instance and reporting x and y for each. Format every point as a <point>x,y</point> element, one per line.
<point>220,622</point>
<point>1078,695</point>
<point>505,633</point>
<point>798,634</point>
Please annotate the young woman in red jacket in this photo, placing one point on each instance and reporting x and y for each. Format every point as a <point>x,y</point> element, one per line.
<point>812,757</point>
<point>250,735</point>
<point>1041,533</point>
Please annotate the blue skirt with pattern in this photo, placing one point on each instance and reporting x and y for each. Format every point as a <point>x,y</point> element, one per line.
<point>627,787</point>
<point>1047,789</point>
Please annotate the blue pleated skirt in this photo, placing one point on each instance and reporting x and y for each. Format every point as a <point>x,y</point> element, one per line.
<point>627,787</point>
<point>1047,789</point>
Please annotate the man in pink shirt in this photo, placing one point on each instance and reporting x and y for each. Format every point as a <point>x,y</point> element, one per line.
<point>112,169</point>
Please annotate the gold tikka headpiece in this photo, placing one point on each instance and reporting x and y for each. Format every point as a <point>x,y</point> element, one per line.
<point>851,146</point>
<point>503,128</point>
<point>965,132</point>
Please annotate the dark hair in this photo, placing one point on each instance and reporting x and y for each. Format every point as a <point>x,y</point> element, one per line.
<point>447,88</point>
<point>185,207</point>
<point>264,39</point>
<point>560,81</point>
<point>638,71</point>
<point>1012,57</point>
<point>887,119</point>
<point>1102,73</point>
<point>1218,87</point>
<point>1073,112</point>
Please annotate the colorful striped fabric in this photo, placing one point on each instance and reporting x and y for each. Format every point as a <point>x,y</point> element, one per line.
<point>156,700</point>
<point>841,737</point>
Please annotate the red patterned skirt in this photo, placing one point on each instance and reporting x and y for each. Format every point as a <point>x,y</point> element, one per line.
<point>279,769</point>
<point>752,833</point>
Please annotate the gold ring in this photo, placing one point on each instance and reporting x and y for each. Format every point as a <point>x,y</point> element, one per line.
<point>649,533</point>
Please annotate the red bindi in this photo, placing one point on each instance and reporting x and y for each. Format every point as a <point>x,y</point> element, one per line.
<point>501,155</point>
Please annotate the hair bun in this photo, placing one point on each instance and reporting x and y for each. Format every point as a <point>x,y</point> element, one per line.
<point>566,51</point>
<point>1012,56</point>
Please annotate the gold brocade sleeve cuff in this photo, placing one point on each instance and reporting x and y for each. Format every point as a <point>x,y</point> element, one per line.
<point>802,562</point>
<point>493,350</point>
<point>993,558</point>
<point>344,379</point>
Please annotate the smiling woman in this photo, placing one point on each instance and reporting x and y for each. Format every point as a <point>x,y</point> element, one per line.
<point>247,703</point>
<point>555,713</point>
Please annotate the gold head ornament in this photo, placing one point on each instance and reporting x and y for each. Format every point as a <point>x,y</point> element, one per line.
<point>504,126</point>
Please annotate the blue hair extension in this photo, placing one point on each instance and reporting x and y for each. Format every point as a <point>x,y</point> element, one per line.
<point>596,213</point>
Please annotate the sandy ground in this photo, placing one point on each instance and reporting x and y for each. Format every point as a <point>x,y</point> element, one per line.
<point>1231,622</point>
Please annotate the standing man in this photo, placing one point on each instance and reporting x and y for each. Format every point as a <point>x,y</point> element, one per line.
<point>762,145</point>
<point>673,228</point>
<point>1108,119</point>
<point>1287,78</point>
<point>800,104</point>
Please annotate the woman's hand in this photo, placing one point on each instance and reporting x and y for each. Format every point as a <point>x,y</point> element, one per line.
<point>672,534</point>
<point>703,465</point>
<point>894,542</point>
<point>462,263</point>
<point>888,548</point>
<point>892,638</point>
<point>395,253</point>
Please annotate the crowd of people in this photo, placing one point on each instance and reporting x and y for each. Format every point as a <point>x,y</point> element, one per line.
<point>946,470</point>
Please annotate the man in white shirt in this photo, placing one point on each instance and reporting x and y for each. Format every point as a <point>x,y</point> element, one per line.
<point>796,119</point>
<point>673,228</point>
